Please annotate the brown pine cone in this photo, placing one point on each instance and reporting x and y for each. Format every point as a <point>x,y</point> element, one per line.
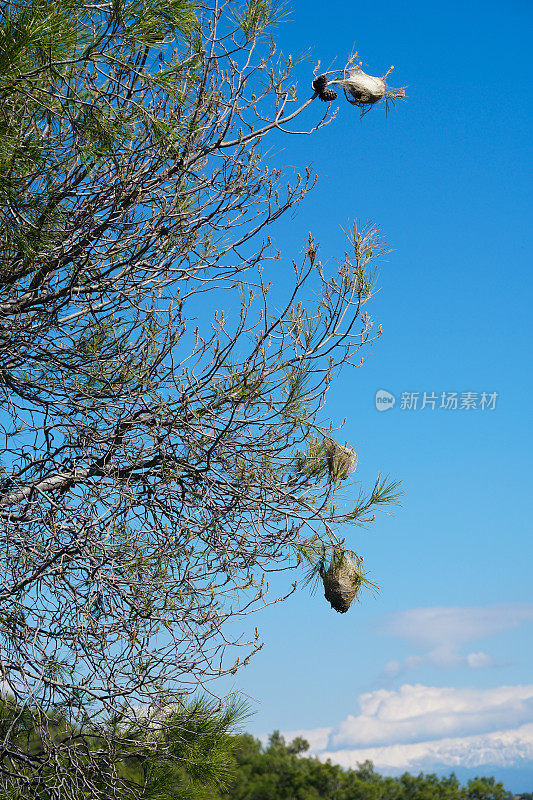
<point>328,95</point>
<point>320,83</point>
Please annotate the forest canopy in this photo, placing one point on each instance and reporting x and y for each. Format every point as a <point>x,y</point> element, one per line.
<point>281,771</point>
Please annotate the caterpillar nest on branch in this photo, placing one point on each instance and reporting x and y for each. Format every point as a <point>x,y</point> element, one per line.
<point>342,581</point>
<point>360,89</point>
<point>342,460</point>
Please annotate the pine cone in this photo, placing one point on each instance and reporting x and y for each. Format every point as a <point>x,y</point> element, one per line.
<point>328,95</point>
<point>320,83</point>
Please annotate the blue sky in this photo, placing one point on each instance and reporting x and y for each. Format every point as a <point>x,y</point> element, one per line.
<point>435,672</point>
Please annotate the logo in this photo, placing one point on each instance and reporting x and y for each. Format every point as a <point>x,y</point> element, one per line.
<point>384,400</point>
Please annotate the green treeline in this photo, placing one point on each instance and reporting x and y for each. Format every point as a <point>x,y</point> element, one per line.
<point>281,771</point>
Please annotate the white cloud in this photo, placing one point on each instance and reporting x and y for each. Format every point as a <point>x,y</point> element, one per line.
<point>432,627</point>
<point>477,660</point>
<point>424,726</point>
<point>505,748</point>
<point>442,657</point>
<point>318,738</point>
<point>417,713</point>
<point>442,630</point>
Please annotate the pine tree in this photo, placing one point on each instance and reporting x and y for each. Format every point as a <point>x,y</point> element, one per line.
<point>159,454</point>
